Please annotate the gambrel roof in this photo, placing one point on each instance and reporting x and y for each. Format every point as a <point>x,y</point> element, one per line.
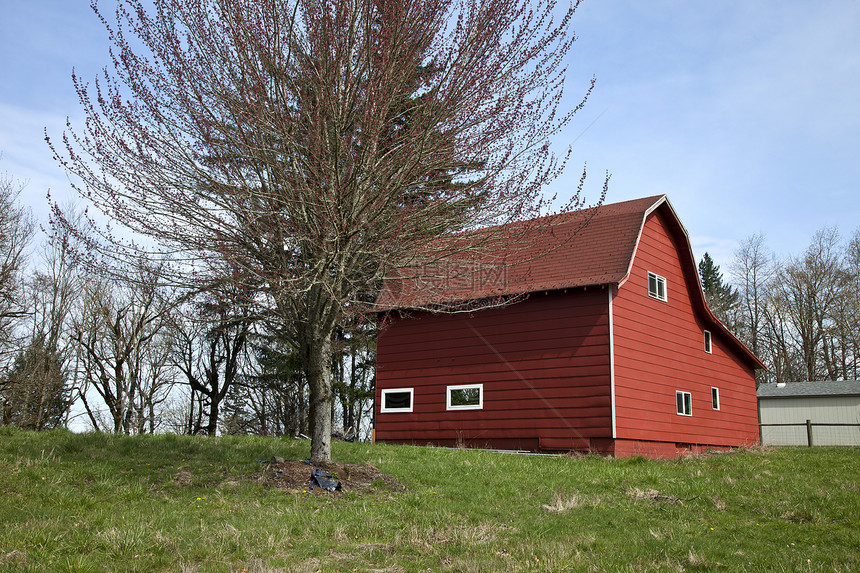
<point>591,247</point>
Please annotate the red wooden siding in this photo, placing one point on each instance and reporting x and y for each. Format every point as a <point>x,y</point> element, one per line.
<point>543,363</point>
<point>659,349</point>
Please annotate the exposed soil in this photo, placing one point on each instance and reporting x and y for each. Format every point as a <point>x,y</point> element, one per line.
<point>295,477</point>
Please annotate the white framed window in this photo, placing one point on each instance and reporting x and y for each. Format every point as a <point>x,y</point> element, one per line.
<point>465,397</point>
<point>684,401</point>
<point>396,400</point>
<point>708,341</point>
<point>715,398</point>
<point>656,286</point>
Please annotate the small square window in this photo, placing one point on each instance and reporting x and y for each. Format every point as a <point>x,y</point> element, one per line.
<point>396,400</point>
<point>715,398</point>
<point>656,286</point>
<point>468,397</point>
<point>708,341</point>
<point>684,402</point>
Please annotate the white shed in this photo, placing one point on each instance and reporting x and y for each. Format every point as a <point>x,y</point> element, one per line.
<point>819,402</point>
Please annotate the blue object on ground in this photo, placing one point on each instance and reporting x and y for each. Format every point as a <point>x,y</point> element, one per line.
<point>322,479</point>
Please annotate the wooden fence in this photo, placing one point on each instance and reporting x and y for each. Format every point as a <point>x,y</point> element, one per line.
<point>809,425</point>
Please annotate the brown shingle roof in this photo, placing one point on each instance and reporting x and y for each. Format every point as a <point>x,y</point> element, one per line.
<point>592,246</point>
<point>599,253</point>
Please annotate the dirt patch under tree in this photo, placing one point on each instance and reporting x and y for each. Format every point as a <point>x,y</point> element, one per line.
<point>295,477</point>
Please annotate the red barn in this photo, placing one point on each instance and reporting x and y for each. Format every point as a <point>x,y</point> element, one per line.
<point>613,350</point>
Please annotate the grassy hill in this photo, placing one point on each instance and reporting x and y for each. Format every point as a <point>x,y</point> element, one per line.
<point>94,502</point>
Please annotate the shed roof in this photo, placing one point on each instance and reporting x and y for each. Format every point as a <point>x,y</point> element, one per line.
<point>810,389</point>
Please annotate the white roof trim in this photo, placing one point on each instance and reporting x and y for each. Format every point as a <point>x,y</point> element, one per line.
<point>651,209</point>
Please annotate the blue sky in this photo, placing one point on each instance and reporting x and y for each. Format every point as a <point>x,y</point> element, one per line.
<point>746,113</point>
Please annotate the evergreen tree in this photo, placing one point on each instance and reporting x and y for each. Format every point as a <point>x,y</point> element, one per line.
<point>279,394</point>
<point>722,297</point>
<point>236,420</point>
<point>354,376</point>
<point>35,395</point>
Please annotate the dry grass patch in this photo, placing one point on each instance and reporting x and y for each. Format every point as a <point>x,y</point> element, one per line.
<point>562,503</point>
<point>182,478</point>
<point>432,539</point>
<point>662,533</point>
<point>651,494</point>
<point>13,558</point>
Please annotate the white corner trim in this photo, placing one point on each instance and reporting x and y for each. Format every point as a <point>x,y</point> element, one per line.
<point>611,363</point>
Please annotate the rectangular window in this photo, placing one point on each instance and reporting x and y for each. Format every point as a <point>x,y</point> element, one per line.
<point>715,398</point>
<point>396,400</point>
<point>656,286</point>
<point>469,397</point>
<point>684,402</point>
<point>708,341</point>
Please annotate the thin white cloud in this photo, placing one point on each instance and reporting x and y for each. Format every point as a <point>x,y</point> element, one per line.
<point>27,158</point>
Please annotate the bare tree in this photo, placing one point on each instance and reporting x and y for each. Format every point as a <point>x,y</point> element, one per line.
<point>183,412</point>
<point>210,350</point>
<point>38,295</point>
<point>752,269</point>
<point>315,147</point>
<point>785,357</point>
<point>824,260</point>
<point>155,382</point>
<point>16,232</point>
<point>810,288</point>
<point>115,330</point>
<point>849,311</point>
<point>801,315</point>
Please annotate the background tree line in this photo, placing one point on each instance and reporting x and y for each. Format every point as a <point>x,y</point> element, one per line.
<point>135,356</point>
<point>799,314</point>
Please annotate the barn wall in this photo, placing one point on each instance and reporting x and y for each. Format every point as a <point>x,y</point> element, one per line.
<point>543,362</point>
<point>659,349</point>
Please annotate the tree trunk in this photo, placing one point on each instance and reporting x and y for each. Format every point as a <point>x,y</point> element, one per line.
<point>214,408</point>
<point>354,402</point>
<point>189,426</point>
<point>118,414</point>
<point>317,354</point>
<point>303,406</point>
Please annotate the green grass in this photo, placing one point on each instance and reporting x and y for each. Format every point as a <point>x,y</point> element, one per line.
<point>94,502</point>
